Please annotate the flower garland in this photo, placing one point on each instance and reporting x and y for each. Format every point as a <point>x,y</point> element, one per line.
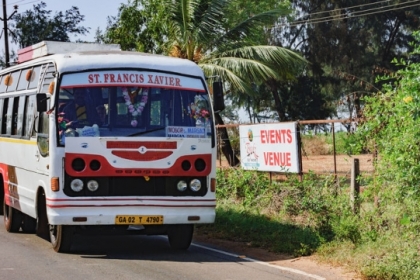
<point>196,112</point>
<point>135,109</point>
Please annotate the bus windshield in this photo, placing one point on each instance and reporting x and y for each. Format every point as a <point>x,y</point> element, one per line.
<point>129,111</point>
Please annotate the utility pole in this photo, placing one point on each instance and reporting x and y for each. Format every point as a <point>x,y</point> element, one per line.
<point>5,30</point>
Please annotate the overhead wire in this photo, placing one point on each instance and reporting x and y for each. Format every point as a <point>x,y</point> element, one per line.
<point>353,14</point>
<point>27,3</point>
<point>359,6</point>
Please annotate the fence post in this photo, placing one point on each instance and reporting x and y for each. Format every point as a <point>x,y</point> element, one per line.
<point>354,186</point>
<point>219,147</point>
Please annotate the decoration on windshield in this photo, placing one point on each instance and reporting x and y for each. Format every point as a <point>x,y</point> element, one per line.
<point>199,111</point>
<point>135,108</point>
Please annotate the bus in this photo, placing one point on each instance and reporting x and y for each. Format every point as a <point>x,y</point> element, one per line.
<point>95,140</point>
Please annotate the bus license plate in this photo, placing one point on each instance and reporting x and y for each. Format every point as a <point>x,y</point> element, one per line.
<point>138,220</point>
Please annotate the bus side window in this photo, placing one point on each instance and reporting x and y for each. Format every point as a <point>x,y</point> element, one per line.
<point>21,115</point>
<point>15,116</point>
<point>42,140</point>
<point>43,125</point>
<point>28,115</point>
<point>9,116</point>
<point>13,81</point>
<point>24,79</point>
<point>2,85</point>
<point>48,75</point>
<point>34,78</point>
<point>1,115</point>
<point>4,115</point>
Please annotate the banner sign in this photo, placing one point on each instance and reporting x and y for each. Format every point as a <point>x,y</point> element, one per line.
<point>270,147</point>
<point>131,78</point>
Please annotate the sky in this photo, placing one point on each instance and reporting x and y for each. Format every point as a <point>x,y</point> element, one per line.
<point>95,12</point>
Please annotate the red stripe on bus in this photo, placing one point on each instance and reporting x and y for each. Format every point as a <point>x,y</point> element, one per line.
<point>138,144</point>
<point>130,199</point>
<point>125,205</point>
<point>136,155</point>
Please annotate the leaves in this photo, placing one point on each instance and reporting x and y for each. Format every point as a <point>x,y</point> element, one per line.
<point>199,30</point>
<point>392,124</point>
<point>34,26</point>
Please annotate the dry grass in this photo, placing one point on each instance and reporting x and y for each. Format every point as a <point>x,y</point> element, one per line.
<point>316,146</point>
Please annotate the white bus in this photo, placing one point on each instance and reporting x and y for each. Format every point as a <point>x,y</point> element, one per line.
<point>95,139</point>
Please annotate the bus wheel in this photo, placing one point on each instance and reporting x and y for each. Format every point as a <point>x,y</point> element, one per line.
<point>61,238</point>
<point>29,224</point>
<point>180,236</point>
<point>12,218</point>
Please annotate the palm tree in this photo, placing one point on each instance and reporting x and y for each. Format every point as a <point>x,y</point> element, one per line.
<point>198,30</point>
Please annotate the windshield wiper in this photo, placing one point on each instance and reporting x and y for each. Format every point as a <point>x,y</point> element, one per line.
<point>147,131</point>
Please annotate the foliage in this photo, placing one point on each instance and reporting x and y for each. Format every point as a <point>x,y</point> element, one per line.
<point>403,263</point>
<point>302,99</point>
<point>34,26</point>
<point>197,30</point>
<point>137,29</point>
<point>391,127</point>
<point>347,45</point>
<point>389,223</point>
<point>225,49</point>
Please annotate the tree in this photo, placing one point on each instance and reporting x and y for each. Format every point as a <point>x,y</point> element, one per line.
<point>198,30</point>
<point>34,26</point>
<point>142,30</point>
<point>348,43</point>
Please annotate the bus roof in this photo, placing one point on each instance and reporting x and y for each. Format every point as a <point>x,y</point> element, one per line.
<point>45,48</point>
<point>73,57</point>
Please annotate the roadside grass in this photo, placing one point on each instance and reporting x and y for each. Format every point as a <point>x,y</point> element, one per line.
<point>261,231</point>
<point>314,217</point>
<point>285,216</point>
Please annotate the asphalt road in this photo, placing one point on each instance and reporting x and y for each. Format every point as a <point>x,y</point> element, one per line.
<point>26,256</point>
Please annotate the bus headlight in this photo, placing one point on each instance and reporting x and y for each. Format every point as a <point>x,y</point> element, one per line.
<point>195,185</point>
<point>92,185</point>
<point>181,186</point>
<point>76,185</point>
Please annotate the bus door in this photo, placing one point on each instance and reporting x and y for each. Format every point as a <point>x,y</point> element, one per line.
<point>42,138</point>
<point>47,82</point>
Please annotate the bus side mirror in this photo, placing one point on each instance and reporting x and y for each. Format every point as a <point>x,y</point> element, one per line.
<point>41,102</point>
<point>218,99</point>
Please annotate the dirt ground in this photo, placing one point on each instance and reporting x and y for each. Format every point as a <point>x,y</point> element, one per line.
<point>342,164</point>
<point>321,164</point>
<point>327,164</point>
